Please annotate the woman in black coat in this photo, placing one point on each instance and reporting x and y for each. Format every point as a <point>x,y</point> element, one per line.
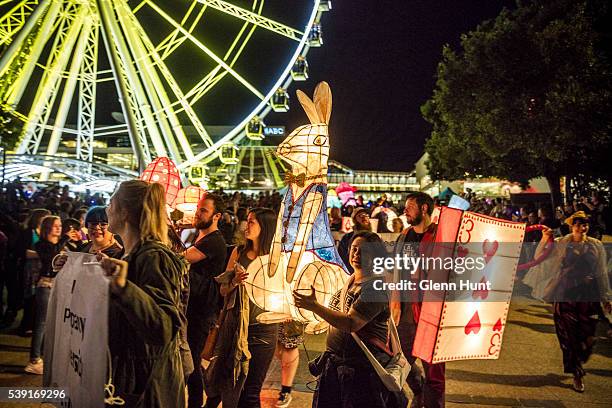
<point>144,312</point>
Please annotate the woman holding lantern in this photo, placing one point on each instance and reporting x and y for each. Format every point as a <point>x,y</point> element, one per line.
<point>346,376</point>
<point>578,290</point>
<point>244,344</point>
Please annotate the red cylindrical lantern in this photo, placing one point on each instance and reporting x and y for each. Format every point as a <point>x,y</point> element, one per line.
<point>163,171</point>
<point>187,199</point>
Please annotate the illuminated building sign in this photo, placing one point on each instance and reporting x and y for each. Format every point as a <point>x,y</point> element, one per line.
<point>274,131</point>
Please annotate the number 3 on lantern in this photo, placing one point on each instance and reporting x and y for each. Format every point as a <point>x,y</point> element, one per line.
<point>494,344</point>
<point>467,231</point>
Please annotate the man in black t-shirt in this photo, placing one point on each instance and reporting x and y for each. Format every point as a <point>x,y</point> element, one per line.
<point>207,259</point>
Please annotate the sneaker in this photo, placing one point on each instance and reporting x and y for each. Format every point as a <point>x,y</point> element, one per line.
<point>35,367</point>
<point>284,399</point>
<point>578,384</point>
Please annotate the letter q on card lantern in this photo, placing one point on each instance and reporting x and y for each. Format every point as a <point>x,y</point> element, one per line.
<point>469,323</point>
<point>162,170</point>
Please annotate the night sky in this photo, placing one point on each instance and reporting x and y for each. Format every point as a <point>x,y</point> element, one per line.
<point>380,59</point>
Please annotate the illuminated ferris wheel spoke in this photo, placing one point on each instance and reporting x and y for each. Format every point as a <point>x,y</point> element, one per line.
<point>19,58</point>
<point>211,79</point>
<point>166,106</point>
<point>71,22</point>
<point>86,121</point>
<point>254,18</point>
<point>206,50</point>
<point>174,40</point>
<point>3,2</point>
<point>152,86</point>
<point>119,41</point>
<point>15,19</point>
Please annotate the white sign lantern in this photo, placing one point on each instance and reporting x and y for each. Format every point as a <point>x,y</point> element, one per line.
<point>470,327</point>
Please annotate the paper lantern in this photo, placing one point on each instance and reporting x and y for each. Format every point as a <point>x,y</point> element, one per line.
<point>346,193</point>
<point>332,200</point>
<point>187,199</point>
<point>163,171</point>
<point>303,252</point>
<point>471,325</point>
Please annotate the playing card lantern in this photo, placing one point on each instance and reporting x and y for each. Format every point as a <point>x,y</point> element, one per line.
<point>187,199</point>
<point>163,171</point>
<point>303,253</point>
<point>473,327</point>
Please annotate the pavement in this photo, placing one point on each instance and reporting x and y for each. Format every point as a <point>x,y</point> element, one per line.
<point>529,372</point>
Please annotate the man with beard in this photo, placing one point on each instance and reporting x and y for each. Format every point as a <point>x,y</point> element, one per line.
<point>428,391</point>
<point>361,222</point>
<point>207,259</point>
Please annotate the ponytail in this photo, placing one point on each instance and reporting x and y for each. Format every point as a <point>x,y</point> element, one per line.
<point>146,207</point>
<point>153,218</point>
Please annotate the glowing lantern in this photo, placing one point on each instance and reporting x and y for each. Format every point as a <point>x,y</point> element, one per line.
<point>187,199</point>
<point>163,171</point>
<point>303,253</point>
<point>346,193</point>
<point>461,325</point>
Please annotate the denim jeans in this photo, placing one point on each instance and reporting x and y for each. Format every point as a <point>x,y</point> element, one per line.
<point>40,317</point>
<point>262,343</point>
<point>197,332</point>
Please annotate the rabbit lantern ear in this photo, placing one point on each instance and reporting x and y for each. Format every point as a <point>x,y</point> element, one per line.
<point>323,101</point>
<point>309,107</point>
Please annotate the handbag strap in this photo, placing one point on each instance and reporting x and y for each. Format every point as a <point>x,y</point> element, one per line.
<point>380,370</point>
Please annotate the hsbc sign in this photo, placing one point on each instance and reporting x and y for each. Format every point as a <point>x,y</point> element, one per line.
<point>274,131</point>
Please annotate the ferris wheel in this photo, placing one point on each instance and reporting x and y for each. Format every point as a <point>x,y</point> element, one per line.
<point>171,68</point>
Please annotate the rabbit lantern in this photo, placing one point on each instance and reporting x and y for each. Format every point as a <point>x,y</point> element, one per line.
<point>303,253</point>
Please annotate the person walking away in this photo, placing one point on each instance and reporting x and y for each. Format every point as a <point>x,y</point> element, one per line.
<point>578,290</point>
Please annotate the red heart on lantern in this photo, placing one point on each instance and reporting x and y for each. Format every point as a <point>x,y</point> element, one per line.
<point>481,293</point>
<point>498,325</point>
<point>462,251</point>
<point>489,248</point>
<point>473,326</point>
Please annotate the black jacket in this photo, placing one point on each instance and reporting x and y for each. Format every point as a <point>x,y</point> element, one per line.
<point>144,324</point>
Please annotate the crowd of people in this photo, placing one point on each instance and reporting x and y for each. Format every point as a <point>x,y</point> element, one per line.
<point>177,296</point>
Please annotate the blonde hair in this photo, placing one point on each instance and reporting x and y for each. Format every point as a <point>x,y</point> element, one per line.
<point>146,207</point>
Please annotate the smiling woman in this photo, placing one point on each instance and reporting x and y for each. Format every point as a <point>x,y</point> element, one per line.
<point>346,376</point>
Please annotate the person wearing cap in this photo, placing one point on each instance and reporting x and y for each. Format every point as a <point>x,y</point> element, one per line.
<point>361,222</point>
<point>100,238</point>
<point>578,289</point>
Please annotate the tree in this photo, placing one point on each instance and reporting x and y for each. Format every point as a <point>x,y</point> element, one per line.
<point>527,95</point>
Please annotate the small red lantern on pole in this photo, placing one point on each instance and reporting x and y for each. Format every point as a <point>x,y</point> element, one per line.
<point>163,171</point>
